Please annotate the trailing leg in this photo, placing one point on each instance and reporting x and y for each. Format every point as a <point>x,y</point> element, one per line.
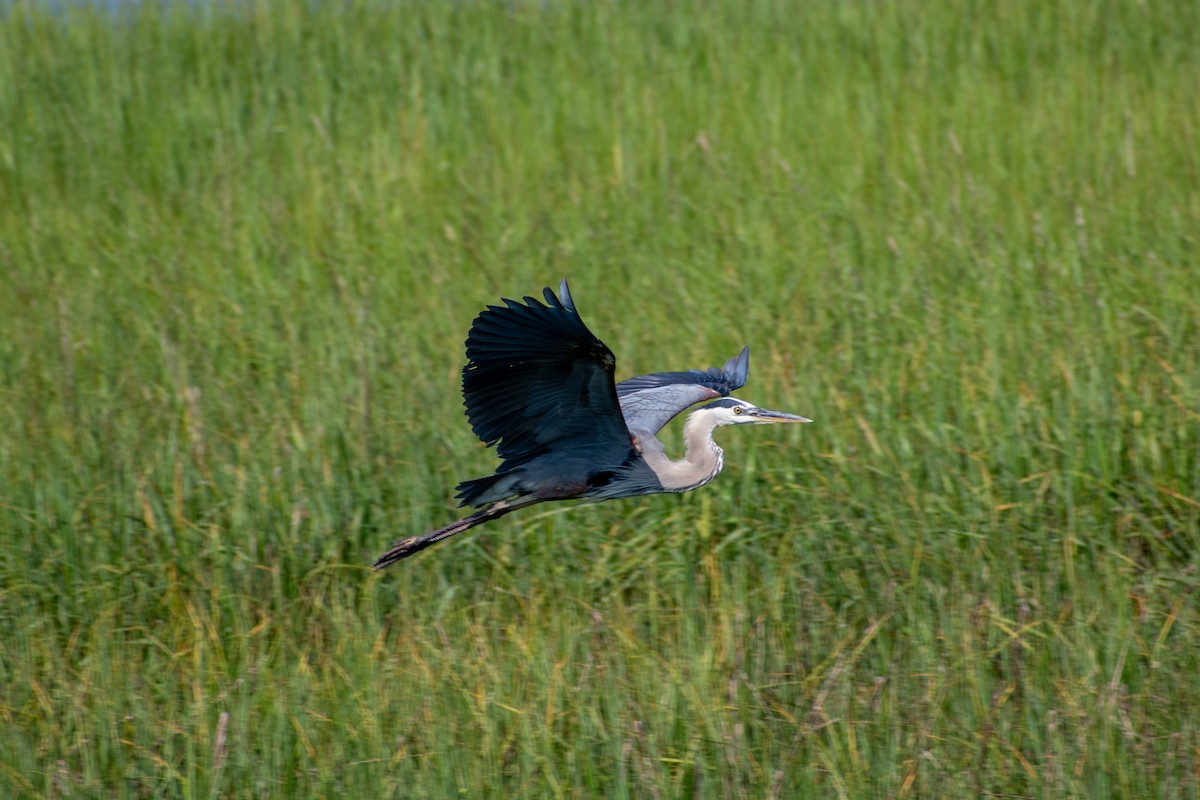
<point>404,548</point>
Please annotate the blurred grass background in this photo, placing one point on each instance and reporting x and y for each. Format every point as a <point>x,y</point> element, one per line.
<point>241,245</point>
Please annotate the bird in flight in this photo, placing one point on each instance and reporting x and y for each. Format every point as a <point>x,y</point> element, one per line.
<point>539,386</point>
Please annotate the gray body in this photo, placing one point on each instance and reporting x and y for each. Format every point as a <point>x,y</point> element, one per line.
<point>539,386</point>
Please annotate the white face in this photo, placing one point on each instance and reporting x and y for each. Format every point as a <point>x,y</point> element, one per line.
<point>732,411</point>
<point>739,414</point>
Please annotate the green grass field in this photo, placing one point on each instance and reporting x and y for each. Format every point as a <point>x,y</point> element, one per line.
<point>239,252</point>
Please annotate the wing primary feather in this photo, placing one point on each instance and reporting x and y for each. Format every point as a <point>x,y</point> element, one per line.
<point>538,381</point>
<point>564,296</point>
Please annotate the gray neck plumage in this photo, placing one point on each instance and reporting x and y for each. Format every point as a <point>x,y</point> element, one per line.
<point>701,462</point>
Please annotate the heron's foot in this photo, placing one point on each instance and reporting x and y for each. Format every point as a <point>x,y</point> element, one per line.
<point>400,549</point>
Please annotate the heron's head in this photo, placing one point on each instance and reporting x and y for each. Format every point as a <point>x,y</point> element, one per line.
<point>732,411</point>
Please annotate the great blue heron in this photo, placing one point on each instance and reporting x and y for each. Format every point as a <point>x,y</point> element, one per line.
<point>539,386</point>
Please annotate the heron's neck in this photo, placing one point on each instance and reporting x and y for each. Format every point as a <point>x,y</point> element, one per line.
<point>702,459</point>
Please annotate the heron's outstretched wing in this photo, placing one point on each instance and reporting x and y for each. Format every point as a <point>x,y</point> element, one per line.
<point>650,401</point>
<point>537,378</point>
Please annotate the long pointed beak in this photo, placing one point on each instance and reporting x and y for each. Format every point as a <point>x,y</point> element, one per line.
<point>767,415</point>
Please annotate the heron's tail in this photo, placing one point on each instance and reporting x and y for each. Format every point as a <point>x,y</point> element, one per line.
<point>403,548</point>
<point>482,491</point>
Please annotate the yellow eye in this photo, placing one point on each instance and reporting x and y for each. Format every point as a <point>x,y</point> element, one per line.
<point>737,409</point>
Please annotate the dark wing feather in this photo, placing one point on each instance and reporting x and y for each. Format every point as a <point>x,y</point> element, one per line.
<point>651,401</point>
<point>538,380</point>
